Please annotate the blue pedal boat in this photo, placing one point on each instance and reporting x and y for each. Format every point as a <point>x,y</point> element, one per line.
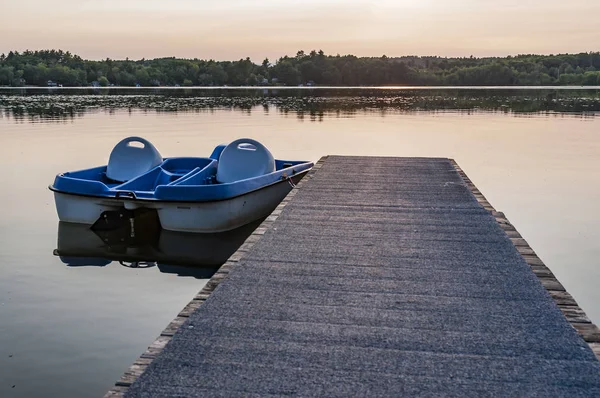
<point>238,183</point>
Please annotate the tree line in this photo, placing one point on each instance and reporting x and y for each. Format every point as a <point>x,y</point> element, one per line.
<point>57,67</point>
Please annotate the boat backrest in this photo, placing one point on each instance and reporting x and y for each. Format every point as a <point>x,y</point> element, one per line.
<point>132,157</point>
<point>242,159</point>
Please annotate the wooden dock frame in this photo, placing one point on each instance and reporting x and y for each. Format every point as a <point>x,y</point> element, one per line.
<point>566,303</point>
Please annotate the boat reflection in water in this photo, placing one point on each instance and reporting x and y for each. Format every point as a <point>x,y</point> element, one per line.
<point>144,244</point>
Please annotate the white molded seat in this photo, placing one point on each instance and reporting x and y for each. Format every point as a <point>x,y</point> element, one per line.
<point>242,159</point>
<point>128,161</point>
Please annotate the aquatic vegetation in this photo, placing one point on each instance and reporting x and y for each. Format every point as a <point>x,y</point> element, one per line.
<point>65,104</point>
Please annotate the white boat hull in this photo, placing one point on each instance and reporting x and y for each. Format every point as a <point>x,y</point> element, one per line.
<point>197,217</point>
<point>83,209</point>
<point>222,215</point>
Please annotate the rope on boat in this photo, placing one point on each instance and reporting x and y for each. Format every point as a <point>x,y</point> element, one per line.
<point>284,176</point>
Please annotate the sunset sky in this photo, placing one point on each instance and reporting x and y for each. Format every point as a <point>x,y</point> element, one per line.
<point>234,29</point>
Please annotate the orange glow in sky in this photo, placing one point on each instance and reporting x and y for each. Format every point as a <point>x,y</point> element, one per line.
<point>234,29</point>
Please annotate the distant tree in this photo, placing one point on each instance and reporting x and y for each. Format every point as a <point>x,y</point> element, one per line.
<point>103,81</point>
<point>141,76</point>
<point>205,79</point>
<point>126,79</point>
<point>218,74</point>
<point>286,73</point>
<point>566,68</point>
<point>252,80</point>
<point>591,79</point>
<point>310,72</point>
<point>264,68</point>
<point>7,75</point>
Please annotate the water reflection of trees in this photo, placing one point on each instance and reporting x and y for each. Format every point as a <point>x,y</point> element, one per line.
<point>313,105</point>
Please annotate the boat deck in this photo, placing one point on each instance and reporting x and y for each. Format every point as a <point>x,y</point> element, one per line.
<point>394,279</point>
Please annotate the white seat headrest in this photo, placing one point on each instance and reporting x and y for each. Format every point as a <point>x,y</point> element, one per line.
<point>132,157</point>
<point>242,159</point>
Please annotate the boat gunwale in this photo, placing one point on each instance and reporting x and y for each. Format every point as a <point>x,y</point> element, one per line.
<point>155,200</point>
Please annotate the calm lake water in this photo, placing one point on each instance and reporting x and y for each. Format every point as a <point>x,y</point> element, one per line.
<point>71,326</point>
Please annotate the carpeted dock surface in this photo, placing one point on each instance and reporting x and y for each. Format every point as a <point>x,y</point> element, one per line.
<point>382,277</point>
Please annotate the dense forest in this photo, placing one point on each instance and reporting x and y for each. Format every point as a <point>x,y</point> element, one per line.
<point>56,67</point>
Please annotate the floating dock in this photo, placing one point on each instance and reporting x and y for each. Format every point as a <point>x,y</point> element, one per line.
<point>377,277</point>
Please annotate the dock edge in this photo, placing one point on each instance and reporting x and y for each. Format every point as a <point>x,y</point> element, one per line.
<point>565,302</point>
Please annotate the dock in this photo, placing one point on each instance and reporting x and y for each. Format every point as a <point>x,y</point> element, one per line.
<point>377,277</point>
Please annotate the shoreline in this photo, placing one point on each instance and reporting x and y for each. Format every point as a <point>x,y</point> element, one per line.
<point>306,88</point>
